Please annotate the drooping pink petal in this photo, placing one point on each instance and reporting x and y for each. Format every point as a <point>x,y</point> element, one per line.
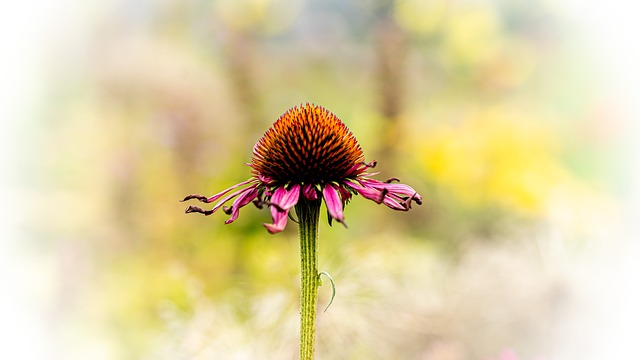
<point>279,218</point>
<point>359,169</point>
<point>395,196</point>
<point>309,191</point>
<point>367,192</point>
<point>242,200</point>
<point>345,195</point>
<point>356,170</point>
<point>333,202</point>
<point>285,199</point>
<point>229,197</point>
<point>218,195</point>
<point>404,201</point>
<point>192,209</point>
<point>265,179</point>
<point>290,198</point>
<point>395,204</point>
<point>277,195</point>
<point>282,200</point>
<point>395,189</point>
<point>371,194</point>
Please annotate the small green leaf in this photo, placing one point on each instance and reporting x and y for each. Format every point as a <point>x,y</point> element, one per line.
<point>333,285</point>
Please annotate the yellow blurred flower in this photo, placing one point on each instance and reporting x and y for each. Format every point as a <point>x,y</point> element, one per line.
<point>265,16</point>
<point>494,157</point>
<point>420,17</point>
<point>472,35</point>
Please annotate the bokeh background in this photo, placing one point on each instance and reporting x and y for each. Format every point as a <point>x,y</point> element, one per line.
<point>515,120</point>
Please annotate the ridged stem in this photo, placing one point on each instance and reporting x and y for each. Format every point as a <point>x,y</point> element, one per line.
<point>308,215</point>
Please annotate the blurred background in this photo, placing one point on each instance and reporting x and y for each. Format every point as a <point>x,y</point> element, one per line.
<point>515,120</point>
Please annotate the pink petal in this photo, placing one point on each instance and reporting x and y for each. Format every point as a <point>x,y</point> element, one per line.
<point>284,199</point>
<point>402,189</point>
<point>309,191</point>
<point>345,195</point>
<point>395,196</point>
<point>242,200</point>
<point>367,192</point>
<point>279,218</point>
<point>334,204</point>
<point>229,197</point>
<point>371,194</point>
<point>405,192</point>
<point>222,193</point>
<point>395,204</point>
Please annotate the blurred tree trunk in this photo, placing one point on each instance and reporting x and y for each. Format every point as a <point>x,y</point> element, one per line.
<point>242,53</point>
<point>391,50</point>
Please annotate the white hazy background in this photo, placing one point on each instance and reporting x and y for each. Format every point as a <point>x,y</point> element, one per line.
<point>610,29</point>
<point>28,31</point>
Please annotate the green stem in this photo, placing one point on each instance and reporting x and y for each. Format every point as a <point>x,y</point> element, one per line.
<point>308,216</point>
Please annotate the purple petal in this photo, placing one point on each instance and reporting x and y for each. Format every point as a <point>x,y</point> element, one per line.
<point>345,195</point>
<point>242,200</point>
<point>400,189</point>
<point>229,197</point>
<point>396,204</point>
<point>395,196</point>
<point>284,199</point>
<point>220,203</point>
<point>367,192</point>
<point>371,194</point>
<point>279,218</point>
<point>264,179</point>
<point>309,191</point>
<point>218,195</point>
<point>334,204</point>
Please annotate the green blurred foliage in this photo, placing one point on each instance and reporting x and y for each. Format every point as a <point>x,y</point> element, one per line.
<point>172,97</point>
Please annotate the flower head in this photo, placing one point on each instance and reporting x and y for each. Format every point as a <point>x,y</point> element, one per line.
<point>308,154</point>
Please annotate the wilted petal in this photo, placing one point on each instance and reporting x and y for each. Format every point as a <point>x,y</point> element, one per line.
<point>265,179</point>
<point>229,197</point>
<point>218,195</point>
<point>279,218</point>
<point>371,194</point>
<point>195,209</point>
<point>242,200</point>
<point>333,202</point>
<point>309,191</point>
<point>396,204</point>
<point>250,190</point>
<point>367,192</point>
<point>345,195</point>
<point>395,196</point>
<point>282,200</point>
<point>394,188</point>
<point>403,190</point>
<point>417,198</point>
<point>286,199</point>
<point>360,168</point>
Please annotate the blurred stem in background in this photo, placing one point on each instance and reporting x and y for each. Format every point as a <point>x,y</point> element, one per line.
<point>241,54</point>
<point>391,50</point>
<point>241,50</point>
<point>308,216</point>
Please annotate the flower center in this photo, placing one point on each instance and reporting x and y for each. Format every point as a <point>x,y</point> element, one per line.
<point>307,144</point>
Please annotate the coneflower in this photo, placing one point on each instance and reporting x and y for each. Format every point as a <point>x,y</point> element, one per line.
<point>307,155</point>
